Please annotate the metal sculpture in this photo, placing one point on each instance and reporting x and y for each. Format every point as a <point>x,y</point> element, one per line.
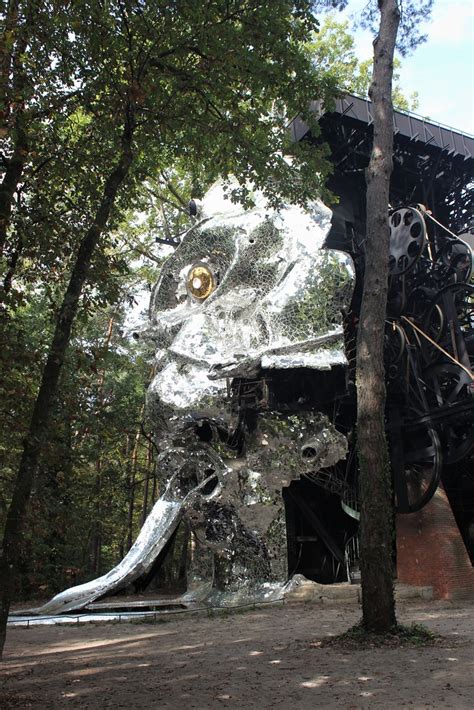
<point>248,299</point>
<point>253,397</point>
<point>430,353</point>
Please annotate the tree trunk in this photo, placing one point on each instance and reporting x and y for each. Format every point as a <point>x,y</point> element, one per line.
<point>96,543</point>
<point>12,264</point>
<point>36,437</point>
<point>149,468</point>
<point>15,164</point>
<point>153,490</point>
<point>6,54</point>
<point>378,606</point>
<point>96,537</point>
<point>12,177</point>
<point>131,488</point>
<point>183,564</point>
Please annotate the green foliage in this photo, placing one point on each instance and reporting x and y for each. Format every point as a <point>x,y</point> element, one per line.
<point>324,298</point>
<point>96,418</point>
<point>209,89</point>
<point>212,87</point>
<point>413,17</point>
<point>333,49</point>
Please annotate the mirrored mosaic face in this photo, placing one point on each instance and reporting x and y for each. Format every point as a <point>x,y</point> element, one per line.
<point>246,290</point>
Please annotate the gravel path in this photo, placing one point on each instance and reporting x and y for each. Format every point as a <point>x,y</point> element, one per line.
<point>265,658</point>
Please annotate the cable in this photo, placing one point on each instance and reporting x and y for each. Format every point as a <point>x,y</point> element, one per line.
<point>456,362</point>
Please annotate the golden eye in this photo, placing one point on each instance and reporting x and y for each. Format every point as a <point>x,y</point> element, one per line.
<point>200,282</point>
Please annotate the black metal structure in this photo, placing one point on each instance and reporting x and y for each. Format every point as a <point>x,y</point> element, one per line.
<point>429,354</point>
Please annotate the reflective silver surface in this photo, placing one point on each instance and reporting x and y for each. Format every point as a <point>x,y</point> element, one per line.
<point>245,290</point>
<point>158,528</point>
<point>276,288</point>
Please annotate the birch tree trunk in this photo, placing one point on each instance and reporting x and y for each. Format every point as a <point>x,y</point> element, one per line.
<point>378,606</point>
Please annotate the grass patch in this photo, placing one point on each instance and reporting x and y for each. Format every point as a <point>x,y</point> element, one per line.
<point>357,637</point>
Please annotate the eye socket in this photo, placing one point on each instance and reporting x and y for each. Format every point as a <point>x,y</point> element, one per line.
<point>200,282</point>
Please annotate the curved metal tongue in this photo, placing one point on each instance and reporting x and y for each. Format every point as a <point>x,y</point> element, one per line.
<point>160,524</point>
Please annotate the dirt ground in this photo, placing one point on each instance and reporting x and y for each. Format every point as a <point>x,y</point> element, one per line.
<point>264,658</point>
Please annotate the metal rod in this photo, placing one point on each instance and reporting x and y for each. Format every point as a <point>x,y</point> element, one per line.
<point>438,346</point>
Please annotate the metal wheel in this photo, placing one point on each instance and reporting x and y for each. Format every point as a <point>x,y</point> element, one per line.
<point>456,256</point>
<point>450,394</point>
<point>456,304</point>
<point>417,474</point>
<point>419,302</point>
<point>407,240</point>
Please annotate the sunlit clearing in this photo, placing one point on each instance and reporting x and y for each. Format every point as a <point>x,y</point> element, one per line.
<point>96,643</point>
<point>189,648</point>
<point>316,682</point>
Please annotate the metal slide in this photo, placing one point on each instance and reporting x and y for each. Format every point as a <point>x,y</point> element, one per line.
<point>157,530</point>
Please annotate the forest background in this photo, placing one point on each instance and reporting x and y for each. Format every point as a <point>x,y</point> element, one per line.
<point>96,479</point>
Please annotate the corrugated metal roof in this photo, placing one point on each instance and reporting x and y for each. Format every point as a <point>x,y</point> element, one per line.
<point>416,128</point>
